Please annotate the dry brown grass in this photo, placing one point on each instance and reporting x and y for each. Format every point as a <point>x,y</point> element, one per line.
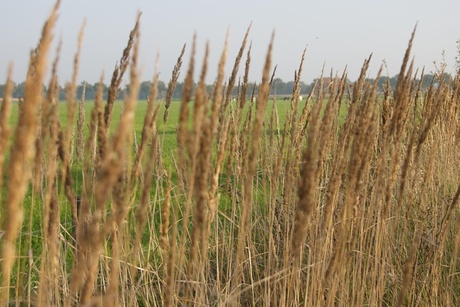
<point>315,210</point>
<point>23,151</point>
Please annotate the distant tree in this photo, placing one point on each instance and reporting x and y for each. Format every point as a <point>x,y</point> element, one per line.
<point>289,87</point>
<point>161,89</point>
<point>325,82</point>
<point>279,87</point>
<point>253,86</point>
<point>144,89</point>
<point>393,80</point>
<point>427,80</point>
<point>304,88</point>
<point>382,83</point>
<point>209,88</point>
<point>61,93</point>
<point>369,80</point>
<point>90,91</point>
<point>19,90</point>
<point>177,94</point>
<point>235,91</point>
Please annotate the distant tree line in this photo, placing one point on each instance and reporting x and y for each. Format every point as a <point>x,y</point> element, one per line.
<point>427,80</point>
<point>279,87</point>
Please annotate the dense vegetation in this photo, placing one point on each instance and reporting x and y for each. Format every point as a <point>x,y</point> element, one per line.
<point>346,198</point>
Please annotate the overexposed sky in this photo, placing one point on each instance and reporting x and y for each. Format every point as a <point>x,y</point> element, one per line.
<point>336,34</point>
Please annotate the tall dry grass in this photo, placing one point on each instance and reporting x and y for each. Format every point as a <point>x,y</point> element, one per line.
<point>316,209</point>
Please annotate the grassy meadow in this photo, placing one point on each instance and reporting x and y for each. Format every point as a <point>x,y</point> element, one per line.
<point>347,198</point>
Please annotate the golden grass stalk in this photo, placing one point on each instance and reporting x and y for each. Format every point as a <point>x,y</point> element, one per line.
<point>217,98</point>
<point>142,209</point>
<point>5,112</point>
<point>117,75</point>
<point>149,122</point>
<point>231,82</point>
<point>43,127</point>
<point>231,152</point>
<point>71,95</point>
<point>172,83</point>
<point>170,264</point>
<point>91,159</point>
<point>182,135</point>
<point>235,122</point>
<point>242,96</point>
<point>50,128</point>
<point>83,234</point>
<point>23,150</point>
<point>90,234</point>
<point>165,213</point>
<point>295,99</point>
<point>454,259</point>
<point>362,135</point>
<point>307,184</point>
<point>440,236</point>
<point>236,65</point>
<point>408,268</point>
<point>183,147</point>
<point>338,164</point>
<point>401,86</point>
<point>109,180</point>
<point>80,146</point>
<point>102,138</point>
<point>249,164</point>
<point>222,141</point>
<point>201,153</point>
<point>65,137</point>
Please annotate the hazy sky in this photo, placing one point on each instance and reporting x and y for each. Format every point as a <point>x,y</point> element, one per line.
<point>336,34</point>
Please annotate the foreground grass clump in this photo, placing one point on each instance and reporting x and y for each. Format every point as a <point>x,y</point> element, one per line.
<point>230,203</point>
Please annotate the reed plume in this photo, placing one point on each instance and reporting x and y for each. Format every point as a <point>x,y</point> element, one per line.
<point>172,83</point>
<point>23,150</point>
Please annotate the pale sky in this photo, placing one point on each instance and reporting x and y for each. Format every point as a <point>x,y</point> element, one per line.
<point>336,34</point>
